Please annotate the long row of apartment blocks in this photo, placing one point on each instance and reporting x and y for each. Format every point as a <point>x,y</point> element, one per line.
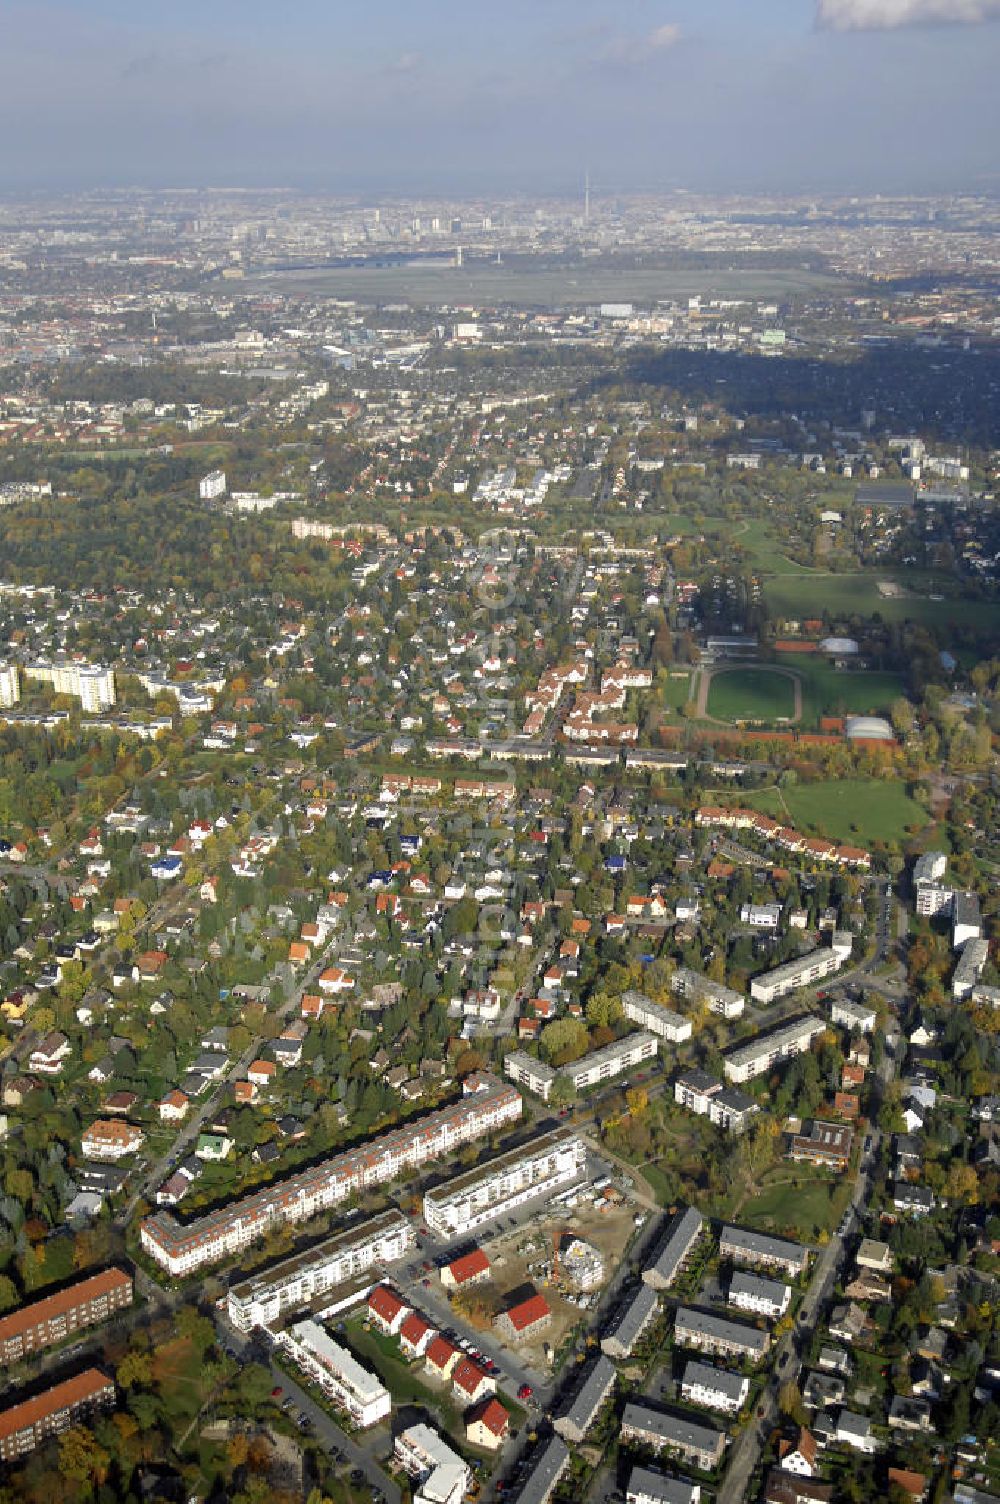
<point>487,1106</point>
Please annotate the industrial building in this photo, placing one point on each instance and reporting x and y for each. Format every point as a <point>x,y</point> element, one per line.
<point>494,1189</point>
<point>680,1236</point>
<point>287,1286</point>
<point>760,1054</point>
<point>803,971</point>
<point>640,1009</point>
<point>487,1105</point>
<point>337,1373</point>
<point>44,1322</point>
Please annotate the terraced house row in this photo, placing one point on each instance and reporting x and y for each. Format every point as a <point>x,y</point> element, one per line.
<point>486,1106</point>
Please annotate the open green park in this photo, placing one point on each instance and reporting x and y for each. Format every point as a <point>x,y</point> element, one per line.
<point>827,690</point>
<point>856,811</point>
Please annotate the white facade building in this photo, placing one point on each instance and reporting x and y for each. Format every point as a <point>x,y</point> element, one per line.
<point>90,683</point>
<point>212,485</point>
<point>488,1105</point>
<point>482,1195</point>
<point>10,685</point>
<point>715,1388</point>
<point>791,1038</point>
<point>442,1475</point>
<point>534,1075</point>
<point>337,1373</point>
<point>612,1060</point>
<point>700,989</point>
<point>804,971</point>
<point>640,1009</point>
<point>266,1296</point>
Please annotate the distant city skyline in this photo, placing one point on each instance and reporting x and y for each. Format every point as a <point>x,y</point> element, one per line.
<point>714,95</point>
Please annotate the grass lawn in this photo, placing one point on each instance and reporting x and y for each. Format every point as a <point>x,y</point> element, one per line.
<point>806,594</point>
<point>677,692</point>
<point>856,811</point>
<point>406,1385</point>
<point>658,1183</point>
<point>800,1203</point>
<point>830,691</point>
<point>750,694</point>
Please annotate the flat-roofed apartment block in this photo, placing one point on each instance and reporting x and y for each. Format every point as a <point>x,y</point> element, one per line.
<point>969,968</point>
<point>337,1373</point>
<point>641,1010</point>
<point>576,1419</point>
<point>679,1237</point>
<point>760,1054</point>
<point>647,1486</point>
<point>858,1018</point>
<point>492,1190</point>
<point>58,1316</point>
<point>26,1426</point>
<point>714,1388</point>
<point>486,1106</point>
<point>762,1252</point>
<point>760,1296</point>
<point>717,1335</point>
<point>803,971</point>
<point>610,1061</point>
<point>732,1109</point>
<point>695,1442</point>
<point>694,1089</point>
<point>442,1475</point>
<point>703,991</point>
<point>546,1466</point>
<point>629,1321</point>
<point>271,1293</point>
<point>826,1144</point>
<point>533,1075</point>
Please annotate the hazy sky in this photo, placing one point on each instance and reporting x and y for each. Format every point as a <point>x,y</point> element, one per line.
<point>501,94</point>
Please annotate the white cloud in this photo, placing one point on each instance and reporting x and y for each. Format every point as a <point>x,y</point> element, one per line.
<point>631,51</point>
<point>407,62</point>
<point>889,15</point>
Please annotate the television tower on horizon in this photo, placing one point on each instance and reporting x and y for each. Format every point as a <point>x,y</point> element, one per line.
<point>586,197</point>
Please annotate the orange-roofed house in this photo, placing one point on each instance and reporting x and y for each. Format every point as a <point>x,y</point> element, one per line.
<point>487,1425</point>
<point>525,1321</point>
<point>469,1269</point>
<point>312,1005</point>
<point>415,1334</point>
<point>335,980</point>
<point>470,1383</point>
<point>262,1072</point>
<point>441,1357</point>
<point>298,953</point>
<point>387,1310</point>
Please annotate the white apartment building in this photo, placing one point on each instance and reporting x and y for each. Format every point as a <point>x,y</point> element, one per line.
<point>294,1282</point>
<point>492,1190</point>
<point>534,1075</point>
<point>337,1373</point>
<point>640,1009</point>
<point>969,968</point>
<point>10,685</point>
<point>933,898</point>
<point>487,1106</point>
<point>791,1038</point>
<point>90,683</point>
<point>858,1017</point>
<point>442,1475</point>
<point>612,1060</point>
<point>646,1486</point>
<point>700,989</point>
<point>759,1296</point>
<point>716,1334</point>
<point>804,971</point>
<point>930,867</point>
<point>212,485</point>
<point>761,916</point>
<point>714,1388</point>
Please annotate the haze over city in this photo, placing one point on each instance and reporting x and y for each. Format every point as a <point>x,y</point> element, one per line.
<point>869,95</point>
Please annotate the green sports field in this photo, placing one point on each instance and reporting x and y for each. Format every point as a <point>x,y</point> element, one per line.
<point>751,694</point>
<point>830,691</point>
